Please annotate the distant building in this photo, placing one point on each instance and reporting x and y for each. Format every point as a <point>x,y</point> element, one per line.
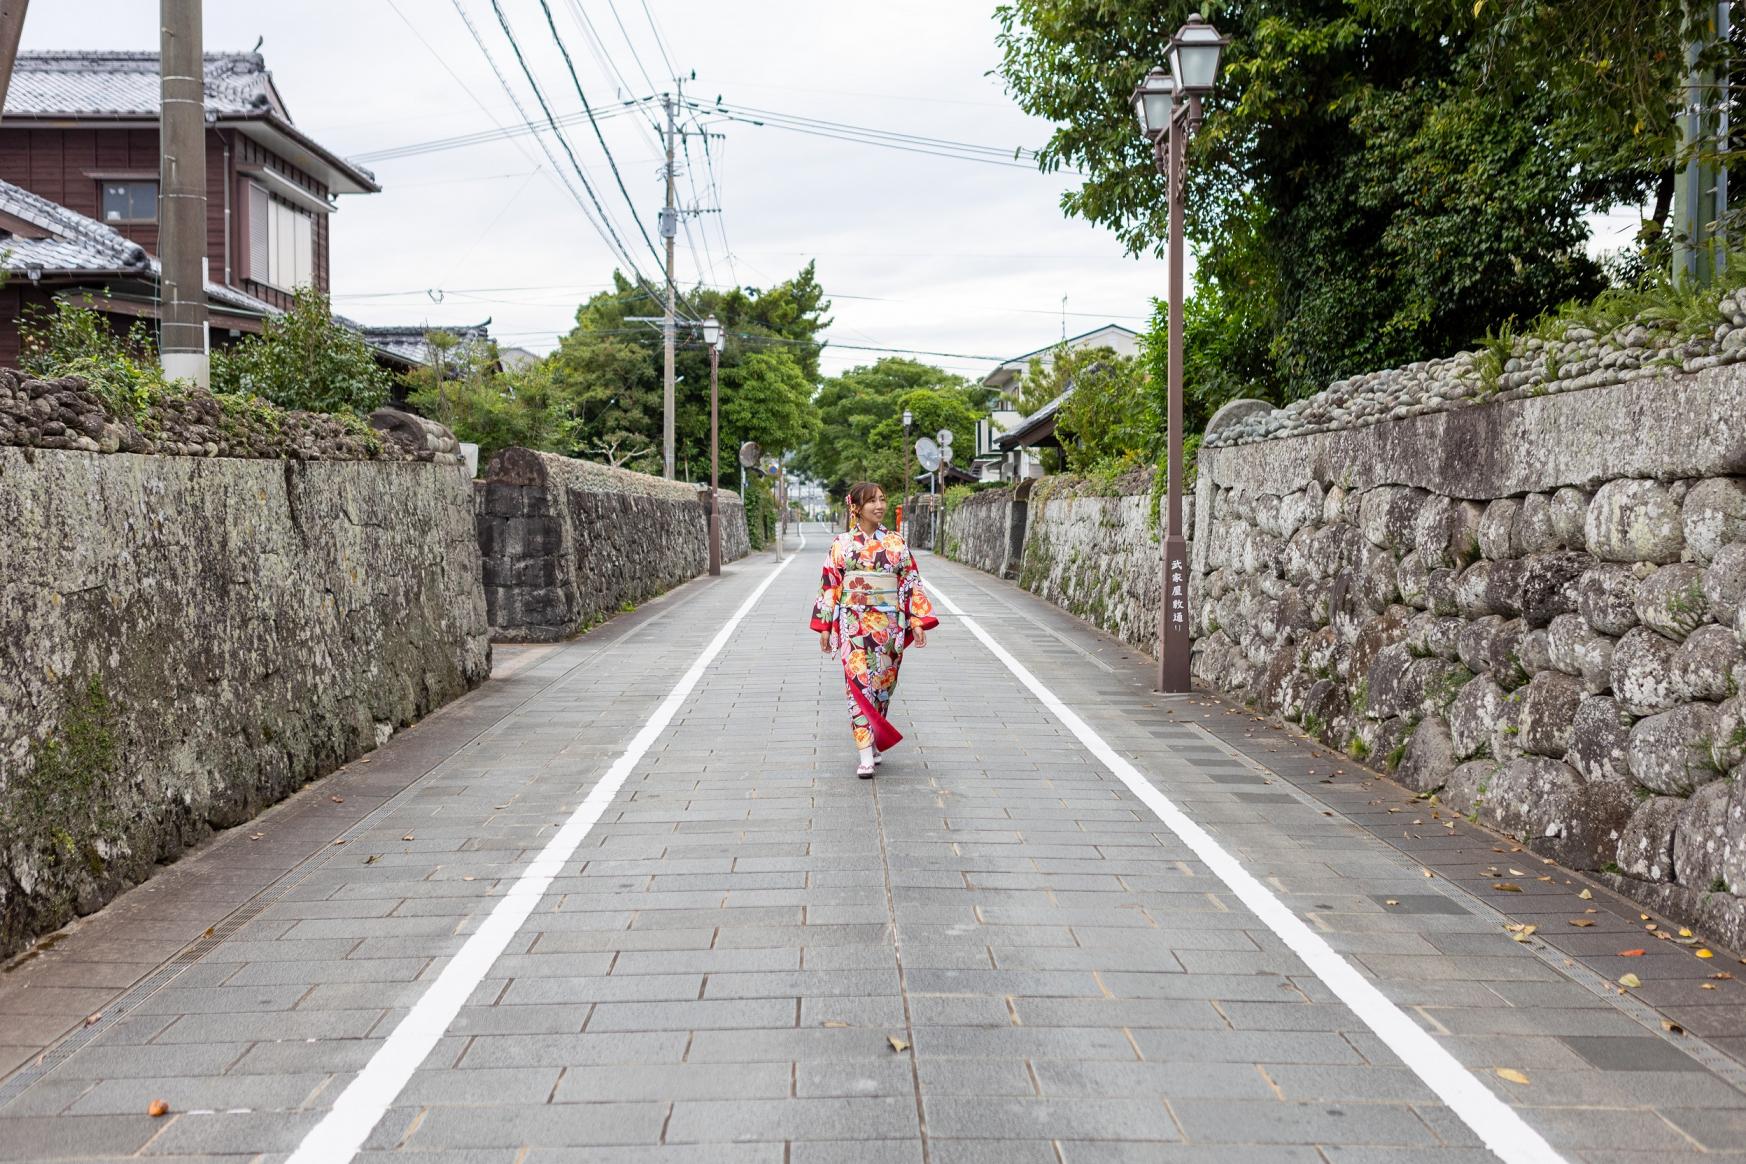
<point>79,191</point>
<point>1007,441</point>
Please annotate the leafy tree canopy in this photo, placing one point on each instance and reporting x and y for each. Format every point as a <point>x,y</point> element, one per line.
<point>861,438</point>
<point>1377,181</point>
<point>304,359</point>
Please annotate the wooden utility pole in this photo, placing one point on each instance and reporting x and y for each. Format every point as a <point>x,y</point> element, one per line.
<point>669,225</point>
<point>182,193</point>
<point>11,28</point>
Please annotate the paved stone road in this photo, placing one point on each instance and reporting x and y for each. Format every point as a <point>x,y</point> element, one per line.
<point>994,952</point>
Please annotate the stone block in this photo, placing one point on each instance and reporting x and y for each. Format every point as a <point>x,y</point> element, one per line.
<point>1505,654</point>
<point>1548,714</point>
<point>1446,531</point>
<point>1606,595</point>
<point>1385,630</point>
<point>1534,531</point>
<point>1708,665</point>
<point>1714,515</point>
<point>1440,591</point>
<point>1636,520</point>
<point>1646,846</point>
<point>1535,651</point>
<point>1569,513</point>
<point>1644,672</point>
<point>1600,740</point>
<point>1547,804</point>
<point>1497,529</point>
<point>1472,589</point>
<point>1728,735</point>
<point>1724,582</point>
<point>1733,871</point>
<point>1373,514</point>
<point>1474,717</point>
<point>1465,790</point>
<point>1392,689</point>
<point>1473,642</point>
<point>1670,751</point>
<point>1429,758</point>
<point>1412,580</point>
<point>1701,842</point>
<point>1671,600</point>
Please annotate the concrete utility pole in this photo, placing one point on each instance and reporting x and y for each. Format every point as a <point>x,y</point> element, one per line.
<point>11,28</point>
<point>669,227</point>
<point>1700,185</point>
<point>182,193</point>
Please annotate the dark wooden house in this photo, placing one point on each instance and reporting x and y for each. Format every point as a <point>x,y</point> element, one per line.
<point>79,190</point>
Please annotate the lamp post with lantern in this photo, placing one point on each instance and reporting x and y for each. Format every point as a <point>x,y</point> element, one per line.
<point>713,339</point>
<point>1167,104</point>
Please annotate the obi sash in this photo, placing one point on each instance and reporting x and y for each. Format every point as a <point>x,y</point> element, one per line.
<point>869,588</point>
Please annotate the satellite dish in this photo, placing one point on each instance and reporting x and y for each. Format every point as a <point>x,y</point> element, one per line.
<point>928,453</point>
<point>946,454</point>
<point>749,454</point>
<point>944,436</point>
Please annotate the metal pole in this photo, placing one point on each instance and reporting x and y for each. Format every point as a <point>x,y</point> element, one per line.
<point>182,197</point>
<point>781,507</point>
<point>1173,642</point>
<point>11,28</point>
<point>714,472</point>
<point>904,505</point>
<point>669,321</point>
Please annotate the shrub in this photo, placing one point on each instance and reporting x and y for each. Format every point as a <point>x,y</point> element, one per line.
<point>70,339</point>
<point>304,359</point>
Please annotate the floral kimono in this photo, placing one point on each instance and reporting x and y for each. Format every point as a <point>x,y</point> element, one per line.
<point>871,600</point>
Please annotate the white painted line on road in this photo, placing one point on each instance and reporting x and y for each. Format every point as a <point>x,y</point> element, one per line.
<point>362,1104</point>
<point>1492,1120</point>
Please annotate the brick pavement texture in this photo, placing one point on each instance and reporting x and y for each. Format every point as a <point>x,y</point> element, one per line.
<point>991,952</point>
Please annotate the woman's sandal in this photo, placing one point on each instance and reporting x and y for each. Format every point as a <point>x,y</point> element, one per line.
<point>865,771</point>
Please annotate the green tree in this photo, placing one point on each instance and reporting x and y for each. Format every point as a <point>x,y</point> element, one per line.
<point>860,437</point>
<point>304,359</point>
<point>497,410</point>
<point>1377,180</point>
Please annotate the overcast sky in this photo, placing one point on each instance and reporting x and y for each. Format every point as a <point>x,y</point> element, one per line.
<point>915,251</point>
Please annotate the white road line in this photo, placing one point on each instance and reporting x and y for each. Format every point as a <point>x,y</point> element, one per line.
<point>1492,1120</point>
<point>362,1104</point>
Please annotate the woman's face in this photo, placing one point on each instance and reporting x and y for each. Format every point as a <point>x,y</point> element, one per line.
<point>873,509</point>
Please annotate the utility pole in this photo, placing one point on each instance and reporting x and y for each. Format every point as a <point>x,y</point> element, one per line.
<point>669,227</point>
<point>182,192</point>
<point>1700,198</point>
<point>11,28</point>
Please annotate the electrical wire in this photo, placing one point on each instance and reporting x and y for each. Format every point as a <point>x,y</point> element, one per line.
<point>611,162</point>
<point>482,136</point>
<point>851,134</point>
<point>515,46</point>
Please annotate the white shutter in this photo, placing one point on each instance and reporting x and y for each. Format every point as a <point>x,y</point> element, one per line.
<point>303,250</point>
<point>260,228</point>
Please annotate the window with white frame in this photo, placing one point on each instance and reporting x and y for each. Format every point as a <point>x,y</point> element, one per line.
<point>281,241</point>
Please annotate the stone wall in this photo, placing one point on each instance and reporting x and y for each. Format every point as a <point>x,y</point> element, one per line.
<point>567,543</point>
<point>186,639</point>
<point>1530,606</point>
<point>1523,592</point>
<point>1089,548</point>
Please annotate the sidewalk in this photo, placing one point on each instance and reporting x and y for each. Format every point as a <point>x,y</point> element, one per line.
<point>994,951</point>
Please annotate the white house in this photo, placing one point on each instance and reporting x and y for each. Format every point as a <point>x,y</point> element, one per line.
<point>1006,440</point>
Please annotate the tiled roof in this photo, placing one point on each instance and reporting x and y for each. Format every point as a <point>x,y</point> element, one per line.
<point>74,242</point>
<point>78,245</point>
<point>126,84</point>
<point>407,344</point>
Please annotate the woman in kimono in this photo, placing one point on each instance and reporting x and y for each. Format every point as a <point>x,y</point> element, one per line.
<point>870,607</point>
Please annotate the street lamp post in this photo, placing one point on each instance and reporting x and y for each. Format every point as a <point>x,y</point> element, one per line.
<point>712,339</point>
<point>1168,106</point>
<point>903,506</point>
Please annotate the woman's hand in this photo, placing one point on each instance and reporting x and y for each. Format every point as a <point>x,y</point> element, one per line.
<point>824,641</point>
<point>920,636</point>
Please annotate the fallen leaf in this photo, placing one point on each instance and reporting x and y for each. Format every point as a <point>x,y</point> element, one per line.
<point>1630,980</point>
<point>1511,1074</point>
<point>1705,954</point>
<point>158,1108</point>
<point>337,799</point>
<point>1391,901</point>
<point>897,1044</point>
<point>1506,887</point>
<point>1684,933</point>
<point>1582,922</point>
<point>1706,986</point>
<point>1632,953</point>
<point>91,1018</point>
<point>210,930</point>
<point>372,858</point>
<point>1723,974</point>
<point>834,1023</point>
<point>468,877</point>
<point>1517,873</point>
<point>256,836</point>
<point>1642,917</point>
<point>341,841</point>
<point>1428,873</point>
<point>1672,1027</point>
<point>1586,895</point>
<point>409,837</point>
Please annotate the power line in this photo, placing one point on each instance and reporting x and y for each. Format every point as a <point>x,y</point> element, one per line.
<point>656,29</point>
<point>611,162</point>
<point>482,136</point>
<point>861,135</point>
<point>539,95</point>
